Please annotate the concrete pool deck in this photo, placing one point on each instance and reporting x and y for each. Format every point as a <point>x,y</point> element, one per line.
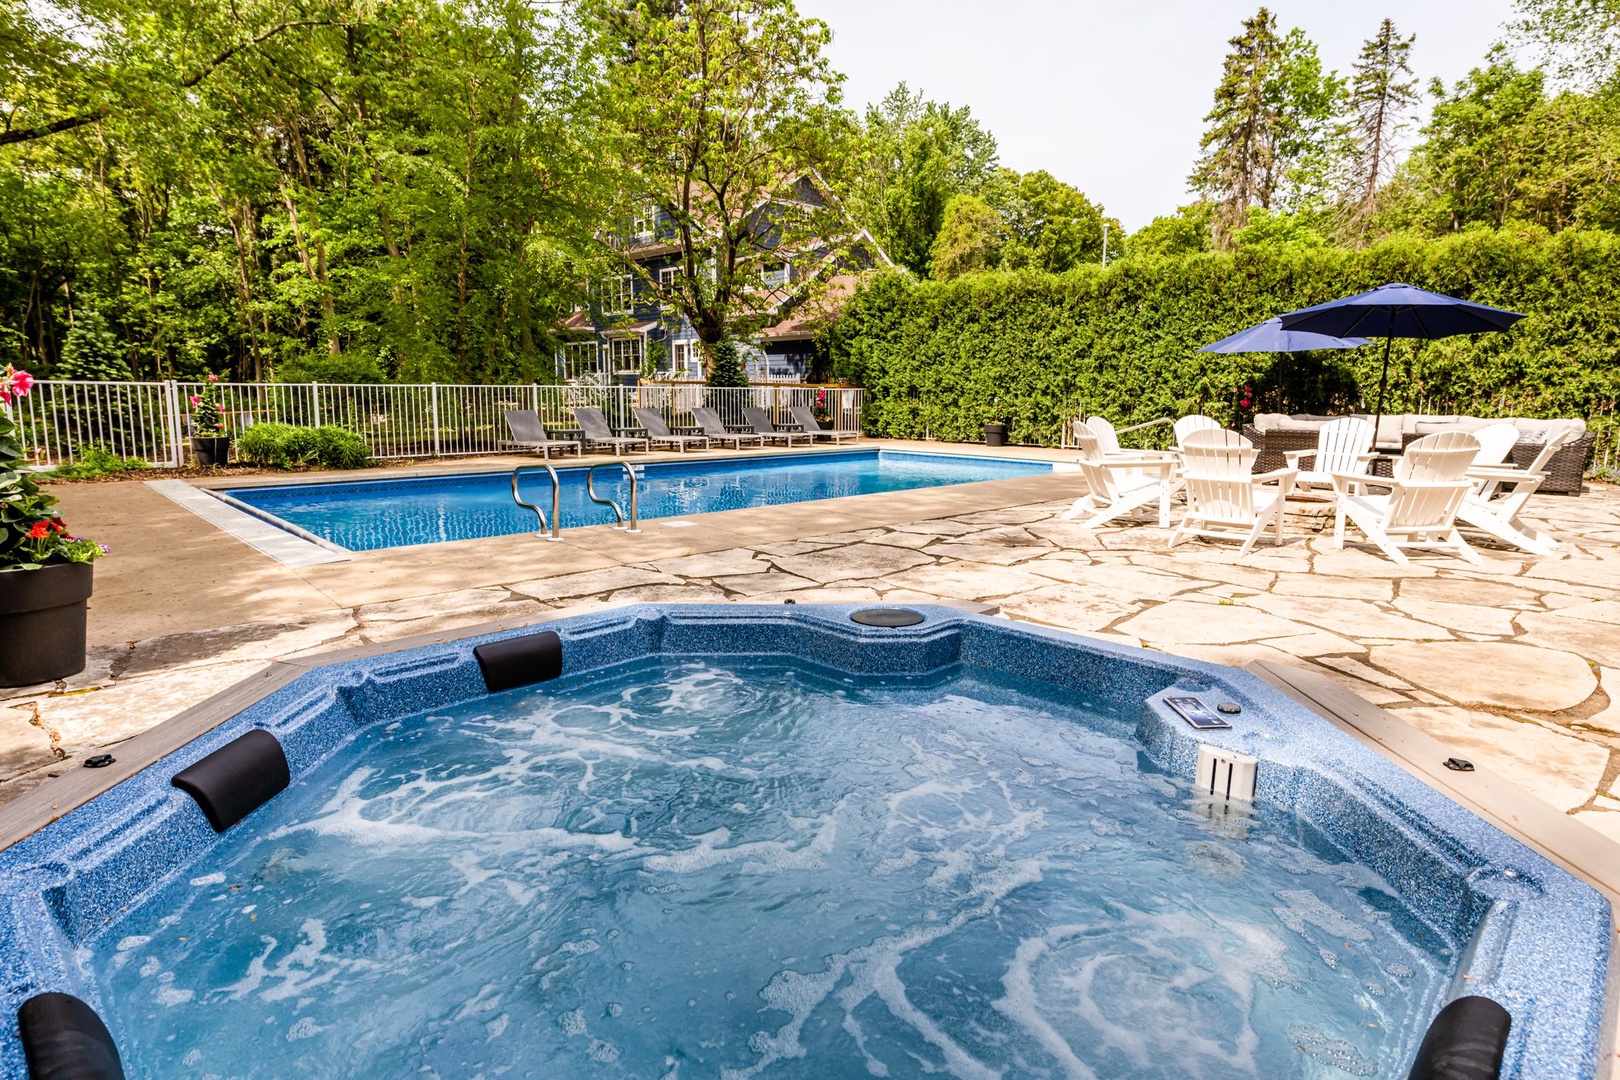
<point>1516,664</point>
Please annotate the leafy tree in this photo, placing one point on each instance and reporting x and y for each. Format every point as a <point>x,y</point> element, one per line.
<point>1498,150</point>
<point>723,116</point>
<point>969,241</point>
<point>1578,39</point>
<point>1382,95</point>
<point>1049,225</point>
<point>917,155</point>
<point>1278,228</point>
<point>1183,233</point>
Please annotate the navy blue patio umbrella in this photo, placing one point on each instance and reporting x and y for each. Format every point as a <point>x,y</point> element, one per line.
<point>1397,310</point>
<point>1270,336</point>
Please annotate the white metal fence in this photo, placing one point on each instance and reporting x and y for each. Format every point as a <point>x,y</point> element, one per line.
<point>152,420</point>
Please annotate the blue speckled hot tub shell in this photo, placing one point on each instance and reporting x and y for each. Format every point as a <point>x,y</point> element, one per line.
<point>1536,938</point>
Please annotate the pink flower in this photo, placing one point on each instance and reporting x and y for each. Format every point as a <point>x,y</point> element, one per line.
<point>212,377</point>
<point>195,400</point>
<point>21,383</point>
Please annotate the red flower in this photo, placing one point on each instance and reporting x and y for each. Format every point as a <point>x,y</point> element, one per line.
<point>40,531</point>
<point>195,400</point>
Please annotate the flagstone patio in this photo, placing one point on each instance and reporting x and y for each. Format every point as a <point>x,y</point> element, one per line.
<point>1516,664</point>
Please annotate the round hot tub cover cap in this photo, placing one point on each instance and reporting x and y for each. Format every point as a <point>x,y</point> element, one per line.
<point>887,616</point>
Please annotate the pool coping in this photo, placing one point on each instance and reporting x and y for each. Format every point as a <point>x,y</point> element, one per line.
<point>56,798</point>
<point>298,547</point>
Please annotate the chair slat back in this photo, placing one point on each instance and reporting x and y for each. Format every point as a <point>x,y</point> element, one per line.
<point>1439,458</point>
<point>1425,506</point>
<point>709,421</point>
<point>1341,444</point>
<point>1554,442</point>
<point>1103,429</point>
<point>593,423</point>
<point>759,421</point>
<point>1225,498</point>
<point>525,426</point>
<point>805,417</point>
<point>1496,442</point>
<point>1218,452</point>
<point>1187,425</point>
<point>1099,477</point>
<point>652,422</point>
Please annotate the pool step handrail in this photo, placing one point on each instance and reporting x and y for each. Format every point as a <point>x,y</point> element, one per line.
<point>554,524</point>
<point>618,512</point>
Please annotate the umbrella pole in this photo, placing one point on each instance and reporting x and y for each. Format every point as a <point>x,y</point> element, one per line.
<point>1383,382</point>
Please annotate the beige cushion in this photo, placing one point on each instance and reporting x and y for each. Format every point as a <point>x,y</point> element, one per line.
<point>1266,421</point>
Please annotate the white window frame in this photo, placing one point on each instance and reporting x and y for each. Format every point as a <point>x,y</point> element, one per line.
<point>778,276</point>
<point>618,294</point>
<point>667,276</point>
<point>627,353</point>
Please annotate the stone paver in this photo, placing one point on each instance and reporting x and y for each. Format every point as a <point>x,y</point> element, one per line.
<point>1492,673</point>
<point>1498,661</point>
<point>1560,769</point>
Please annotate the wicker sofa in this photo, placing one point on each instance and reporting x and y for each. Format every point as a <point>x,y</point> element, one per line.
<point>1274,434</point>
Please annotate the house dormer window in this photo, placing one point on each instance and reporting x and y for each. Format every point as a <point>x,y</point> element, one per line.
<point>641,224</point>
<point>777,275</point>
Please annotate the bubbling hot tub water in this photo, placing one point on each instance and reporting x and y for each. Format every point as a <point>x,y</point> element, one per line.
<point>721,867</point>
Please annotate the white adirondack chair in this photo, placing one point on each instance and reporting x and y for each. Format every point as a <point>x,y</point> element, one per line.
<point>1226,499</point>
<point>1496,442</point>
<point>1189,424</point>
<point>1342,446</point>
<point>1107,437</point>
<point>1119,485</point>
<point>1420,511</point>
<point>1500,494</point>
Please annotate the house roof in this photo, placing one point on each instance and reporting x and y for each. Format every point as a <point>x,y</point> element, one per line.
<point>808,319</point>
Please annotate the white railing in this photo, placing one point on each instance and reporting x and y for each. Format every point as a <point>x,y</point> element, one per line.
<point>151,421</point>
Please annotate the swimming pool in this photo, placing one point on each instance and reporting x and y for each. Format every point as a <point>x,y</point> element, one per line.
<point>767,841</point>
<point>365,515</point>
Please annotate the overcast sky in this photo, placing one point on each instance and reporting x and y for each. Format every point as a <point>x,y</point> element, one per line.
<point>1107,95</point>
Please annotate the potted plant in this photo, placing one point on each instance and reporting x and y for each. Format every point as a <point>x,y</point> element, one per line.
<point>209,443</point>
<point>45,571</point>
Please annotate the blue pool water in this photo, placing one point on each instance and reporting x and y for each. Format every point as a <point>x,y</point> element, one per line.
<point>721,867</point>
<point>365,515</point>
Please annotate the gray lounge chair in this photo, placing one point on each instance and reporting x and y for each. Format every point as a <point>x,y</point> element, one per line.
<point>805,417</point>
<point>658,432</point>
<point>760,421</point>
<point>598,433</point>
<point>527,431</point>
<point>715,428</point>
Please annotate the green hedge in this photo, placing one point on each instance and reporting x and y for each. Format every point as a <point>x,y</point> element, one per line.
<point>940,358</point>
<point>288,446</point>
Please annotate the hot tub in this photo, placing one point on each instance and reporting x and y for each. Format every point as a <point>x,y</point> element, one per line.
<point>737,841</point>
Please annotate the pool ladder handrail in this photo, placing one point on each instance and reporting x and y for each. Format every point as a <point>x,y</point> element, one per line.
<point>634,527</point>
<point>556,501</point>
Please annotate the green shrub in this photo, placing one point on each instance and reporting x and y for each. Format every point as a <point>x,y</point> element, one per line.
<point>286,446</point>
<point>939,358</point>
<point>97,460</point>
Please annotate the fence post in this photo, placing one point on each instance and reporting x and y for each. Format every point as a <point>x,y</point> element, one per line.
<point>171,402</point>
<point>433,390</point>
<point>315,403</point>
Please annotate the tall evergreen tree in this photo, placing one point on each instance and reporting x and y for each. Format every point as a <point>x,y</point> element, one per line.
<point>1272,132</point>
<point>1382,94</point>
<point>1238,167</point>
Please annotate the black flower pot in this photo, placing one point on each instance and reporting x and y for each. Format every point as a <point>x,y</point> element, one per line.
<point>42,620</point>
<point>210,449</point>
<point>995,433</point>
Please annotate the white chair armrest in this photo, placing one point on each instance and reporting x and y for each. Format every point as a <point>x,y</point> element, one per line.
<point>1294,457</point>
